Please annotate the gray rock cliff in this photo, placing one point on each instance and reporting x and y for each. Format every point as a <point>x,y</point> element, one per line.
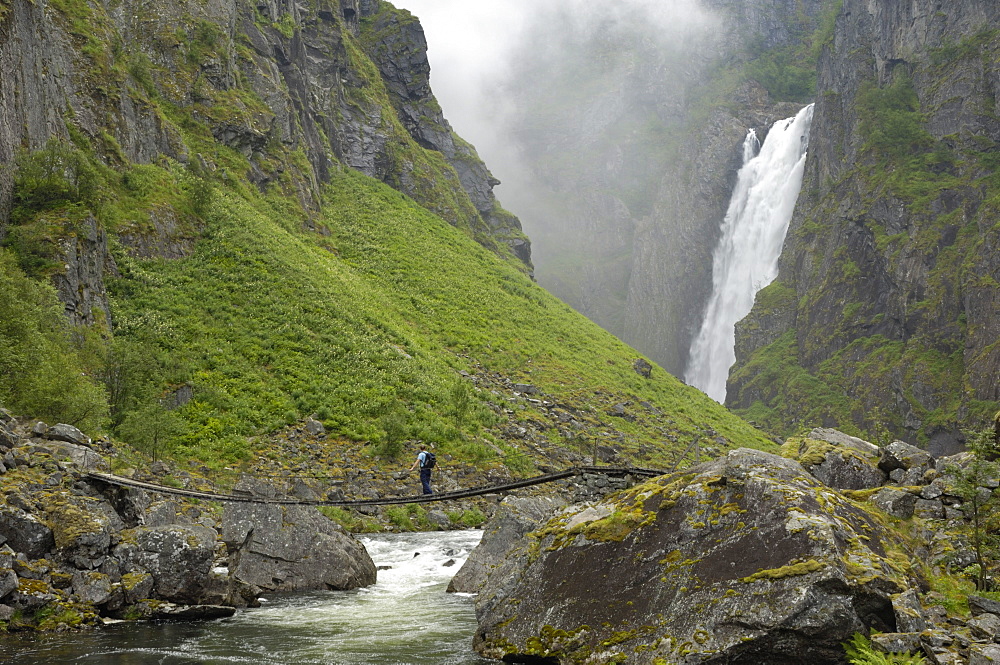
<point>890,261</point>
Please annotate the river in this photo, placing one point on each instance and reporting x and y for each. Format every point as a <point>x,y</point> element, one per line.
<point>407,618</point>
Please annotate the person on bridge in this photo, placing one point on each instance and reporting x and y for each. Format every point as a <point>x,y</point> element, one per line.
<point>424,461</point>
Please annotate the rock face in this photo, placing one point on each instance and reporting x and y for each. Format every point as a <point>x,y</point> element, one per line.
<point>627,184</point>
<point>743,560</point>
<point>91,550</point>
<point>889,231</point>
<point>514,519</point>
<point>289,548</point>
<point>268,79</point>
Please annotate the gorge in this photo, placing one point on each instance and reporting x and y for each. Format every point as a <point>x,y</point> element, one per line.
<point>242,249</point>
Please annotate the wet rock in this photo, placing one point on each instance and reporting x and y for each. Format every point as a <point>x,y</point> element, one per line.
<point>159,611</point>
<point>740,560</point>
<point>514,518</point>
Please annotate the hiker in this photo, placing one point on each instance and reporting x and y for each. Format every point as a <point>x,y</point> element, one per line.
<point>425,460</point>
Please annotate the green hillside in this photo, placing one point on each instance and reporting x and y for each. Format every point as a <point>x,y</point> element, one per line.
<point>254,280</point>
<point>364,322</point>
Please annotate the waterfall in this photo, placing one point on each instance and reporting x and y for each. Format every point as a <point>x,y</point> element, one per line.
<point>746,259</point>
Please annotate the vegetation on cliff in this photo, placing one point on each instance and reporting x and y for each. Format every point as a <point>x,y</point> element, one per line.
<point>248,293</point>
<point>889,259</point>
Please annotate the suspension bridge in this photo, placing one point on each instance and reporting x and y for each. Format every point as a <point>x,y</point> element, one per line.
<point>390,501</point>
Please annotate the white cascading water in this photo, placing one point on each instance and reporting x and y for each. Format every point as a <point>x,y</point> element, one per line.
<point>746,259</point>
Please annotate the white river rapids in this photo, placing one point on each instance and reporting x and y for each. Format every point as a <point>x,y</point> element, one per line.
<point>407,618</point>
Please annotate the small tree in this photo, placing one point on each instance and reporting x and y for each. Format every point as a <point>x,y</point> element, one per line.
<point>393,423</point>
<point>150,428</point>
<point>978,502</point>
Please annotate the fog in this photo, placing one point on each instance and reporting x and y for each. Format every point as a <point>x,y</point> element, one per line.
<point>483,54</point>
<point>582,111</point>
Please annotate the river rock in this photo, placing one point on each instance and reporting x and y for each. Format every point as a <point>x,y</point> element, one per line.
<point>82,528</point>
<point>743,560</point>
<point>178,557</point>
<point>290,547</point>
<point>92,587</point>
<point>514,518</point>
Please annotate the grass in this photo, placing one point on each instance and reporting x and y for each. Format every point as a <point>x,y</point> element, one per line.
<point>269,324</point>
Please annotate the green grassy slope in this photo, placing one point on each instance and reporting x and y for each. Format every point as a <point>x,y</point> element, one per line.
<point>268,324</point>
<point>287,298</point>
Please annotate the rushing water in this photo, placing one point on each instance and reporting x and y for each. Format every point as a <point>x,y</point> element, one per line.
<point>746,259</point>
<point>407,618</point>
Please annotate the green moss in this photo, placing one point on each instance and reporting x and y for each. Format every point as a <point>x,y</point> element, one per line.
<point>791,570</point>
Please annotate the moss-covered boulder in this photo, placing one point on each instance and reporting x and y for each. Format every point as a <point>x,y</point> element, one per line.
<point>178,557</point>
<point>836,465</point>
<point>746,559</point>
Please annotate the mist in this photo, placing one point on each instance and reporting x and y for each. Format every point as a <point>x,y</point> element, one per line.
<point>492,59</point>
<point>582,110</point>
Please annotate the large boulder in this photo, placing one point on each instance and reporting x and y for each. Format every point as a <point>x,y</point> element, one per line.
<point>82,528</point>
<point>743,560</point>
<point>290,547</point>
<point>178,557</point>
<point>514,518</point>
<point>838,463</point>
<point>24,532</point>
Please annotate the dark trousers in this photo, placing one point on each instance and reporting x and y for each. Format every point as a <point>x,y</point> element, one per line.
<point>425,480</point>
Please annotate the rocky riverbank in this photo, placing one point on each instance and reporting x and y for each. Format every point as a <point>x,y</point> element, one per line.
<point>76,552</point>
<point>751,558</point>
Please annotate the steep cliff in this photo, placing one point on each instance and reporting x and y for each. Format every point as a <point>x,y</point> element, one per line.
<point>884,311</point>
<point>258,215</point>
<point>630,127</point>
<point>288,87</point>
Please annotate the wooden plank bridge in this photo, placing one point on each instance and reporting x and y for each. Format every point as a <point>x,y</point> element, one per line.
<point>419,498</point>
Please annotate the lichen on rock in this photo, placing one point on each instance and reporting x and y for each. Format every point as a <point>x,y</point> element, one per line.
<point>745,559</point>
